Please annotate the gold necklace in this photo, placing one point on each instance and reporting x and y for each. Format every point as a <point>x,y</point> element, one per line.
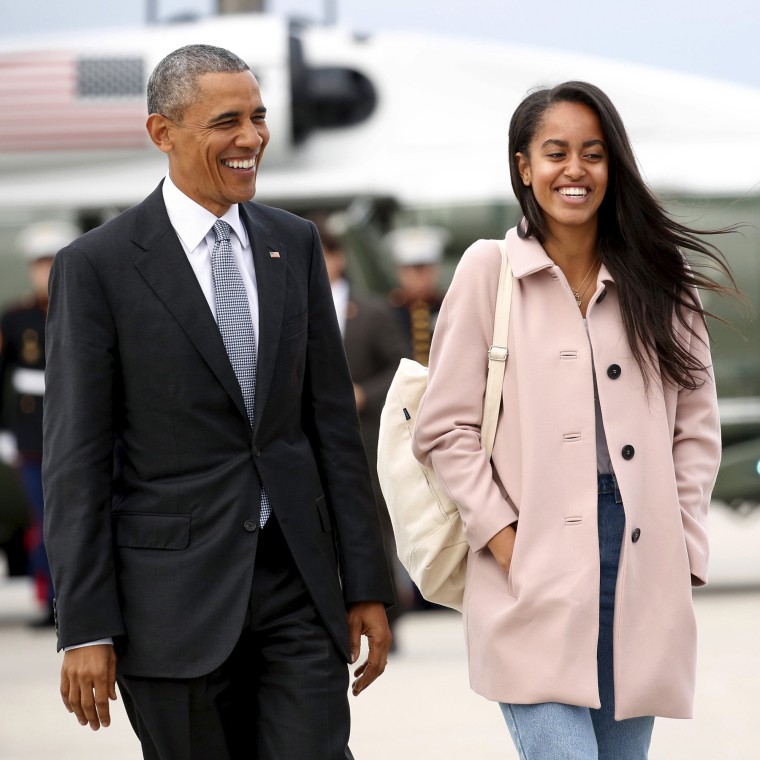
<point>581,291</point>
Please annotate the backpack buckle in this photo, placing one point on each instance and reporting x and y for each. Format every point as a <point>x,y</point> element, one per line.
<point>498,353</point>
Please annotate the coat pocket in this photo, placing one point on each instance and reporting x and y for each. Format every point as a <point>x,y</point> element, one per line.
<point>136,530</point>
<point>294,326</point>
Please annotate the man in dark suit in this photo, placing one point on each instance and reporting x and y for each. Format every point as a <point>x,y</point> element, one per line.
<point>214,541</point>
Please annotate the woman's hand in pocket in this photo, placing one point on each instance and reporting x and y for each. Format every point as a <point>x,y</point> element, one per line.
<point>502,545</point>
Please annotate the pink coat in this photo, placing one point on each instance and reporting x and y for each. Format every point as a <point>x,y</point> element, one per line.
<point>532,635</point>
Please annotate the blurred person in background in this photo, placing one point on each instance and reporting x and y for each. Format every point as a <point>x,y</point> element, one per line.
<point>14,518</point>
<point>417,253</point>
<point>22,385</point>
<point>374,345</point>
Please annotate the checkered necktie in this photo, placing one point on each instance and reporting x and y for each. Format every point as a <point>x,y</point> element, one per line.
<point>233,315</point>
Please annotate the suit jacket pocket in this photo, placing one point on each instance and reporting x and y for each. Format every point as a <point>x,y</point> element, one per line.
<point>136,530</point>
<point>295,326</point>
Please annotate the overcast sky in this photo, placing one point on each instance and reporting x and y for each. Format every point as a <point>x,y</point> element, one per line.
<point>715,38</point>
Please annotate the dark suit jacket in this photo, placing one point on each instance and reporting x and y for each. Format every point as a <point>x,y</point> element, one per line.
<point>158,551</point>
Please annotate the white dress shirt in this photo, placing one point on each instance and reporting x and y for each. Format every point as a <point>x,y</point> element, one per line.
<point>194,226</point>
<point>340,294</point>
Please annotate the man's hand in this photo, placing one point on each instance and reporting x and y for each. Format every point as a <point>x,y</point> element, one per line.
<point>502,545</point>
<point>368,619</point>
<point>88,681</point>
<point>360,397</point>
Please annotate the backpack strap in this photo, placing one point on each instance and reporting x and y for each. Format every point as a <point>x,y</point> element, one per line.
<point>497,353</point>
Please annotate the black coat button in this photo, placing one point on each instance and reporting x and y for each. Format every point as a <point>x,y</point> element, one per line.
<point>256,451</point>
<point>602,296</point>
<point>613,371</point>
<point>628,451</point>
<point>635,535</point>
<point>249,525</point>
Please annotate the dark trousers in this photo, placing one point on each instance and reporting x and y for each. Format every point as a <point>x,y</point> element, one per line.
<point>31,479</point>
<point>281,695</point>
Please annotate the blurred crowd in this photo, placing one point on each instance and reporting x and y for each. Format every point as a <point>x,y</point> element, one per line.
<point>378,331</point>
<point>22,385</point>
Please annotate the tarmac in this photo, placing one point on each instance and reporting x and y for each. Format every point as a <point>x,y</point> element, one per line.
<point>422,707</point>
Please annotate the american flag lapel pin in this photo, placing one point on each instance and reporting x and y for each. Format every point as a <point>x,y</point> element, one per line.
<point>274,254</point>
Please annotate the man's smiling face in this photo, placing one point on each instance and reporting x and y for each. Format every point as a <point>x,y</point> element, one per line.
<point>215,148</point>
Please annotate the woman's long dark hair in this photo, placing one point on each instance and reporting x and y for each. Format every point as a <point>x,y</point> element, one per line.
<point>641,246</point>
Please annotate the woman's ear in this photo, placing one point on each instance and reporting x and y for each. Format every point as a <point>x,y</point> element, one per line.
<point>158,127</point>
<point>523,166</point>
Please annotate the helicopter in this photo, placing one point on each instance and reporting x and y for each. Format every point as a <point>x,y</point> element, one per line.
<point>388,129</point>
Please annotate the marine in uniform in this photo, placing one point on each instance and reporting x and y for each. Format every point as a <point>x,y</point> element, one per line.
<point>22,382</point>
<point>417,253</point>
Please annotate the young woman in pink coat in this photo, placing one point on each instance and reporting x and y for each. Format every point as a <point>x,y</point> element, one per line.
<point>587,527</point>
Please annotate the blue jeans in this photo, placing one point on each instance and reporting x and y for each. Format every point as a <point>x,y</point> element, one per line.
<point>554,731</point>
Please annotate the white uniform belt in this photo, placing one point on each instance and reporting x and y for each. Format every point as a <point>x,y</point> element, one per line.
<point>30,382</point>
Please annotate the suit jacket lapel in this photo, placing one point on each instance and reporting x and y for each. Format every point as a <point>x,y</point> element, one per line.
<point>270,285</point>
<point>165,267</point>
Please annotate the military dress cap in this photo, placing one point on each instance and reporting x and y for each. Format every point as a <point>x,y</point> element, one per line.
<point>44,239</point>
<point>413,246</point>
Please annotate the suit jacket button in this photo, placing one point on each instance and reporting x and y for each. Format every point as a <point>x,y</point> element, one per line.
<point>613,371</point>
<point>628,451</point>
<point>635,535</point>
<point>249,525</point>
<point>256,451</point>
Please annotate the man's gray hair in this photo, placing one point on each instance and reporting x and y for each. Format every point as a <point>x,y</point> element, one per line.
<point>174,82</point>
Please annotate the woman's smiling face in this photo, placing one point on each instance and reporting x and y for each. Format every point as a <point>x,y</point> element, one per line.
<point>567,167</point>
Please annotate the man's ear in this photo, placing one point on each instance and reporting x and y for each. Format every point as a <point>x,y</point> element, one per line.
<point>158,127</point>
<point>523,166</point>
